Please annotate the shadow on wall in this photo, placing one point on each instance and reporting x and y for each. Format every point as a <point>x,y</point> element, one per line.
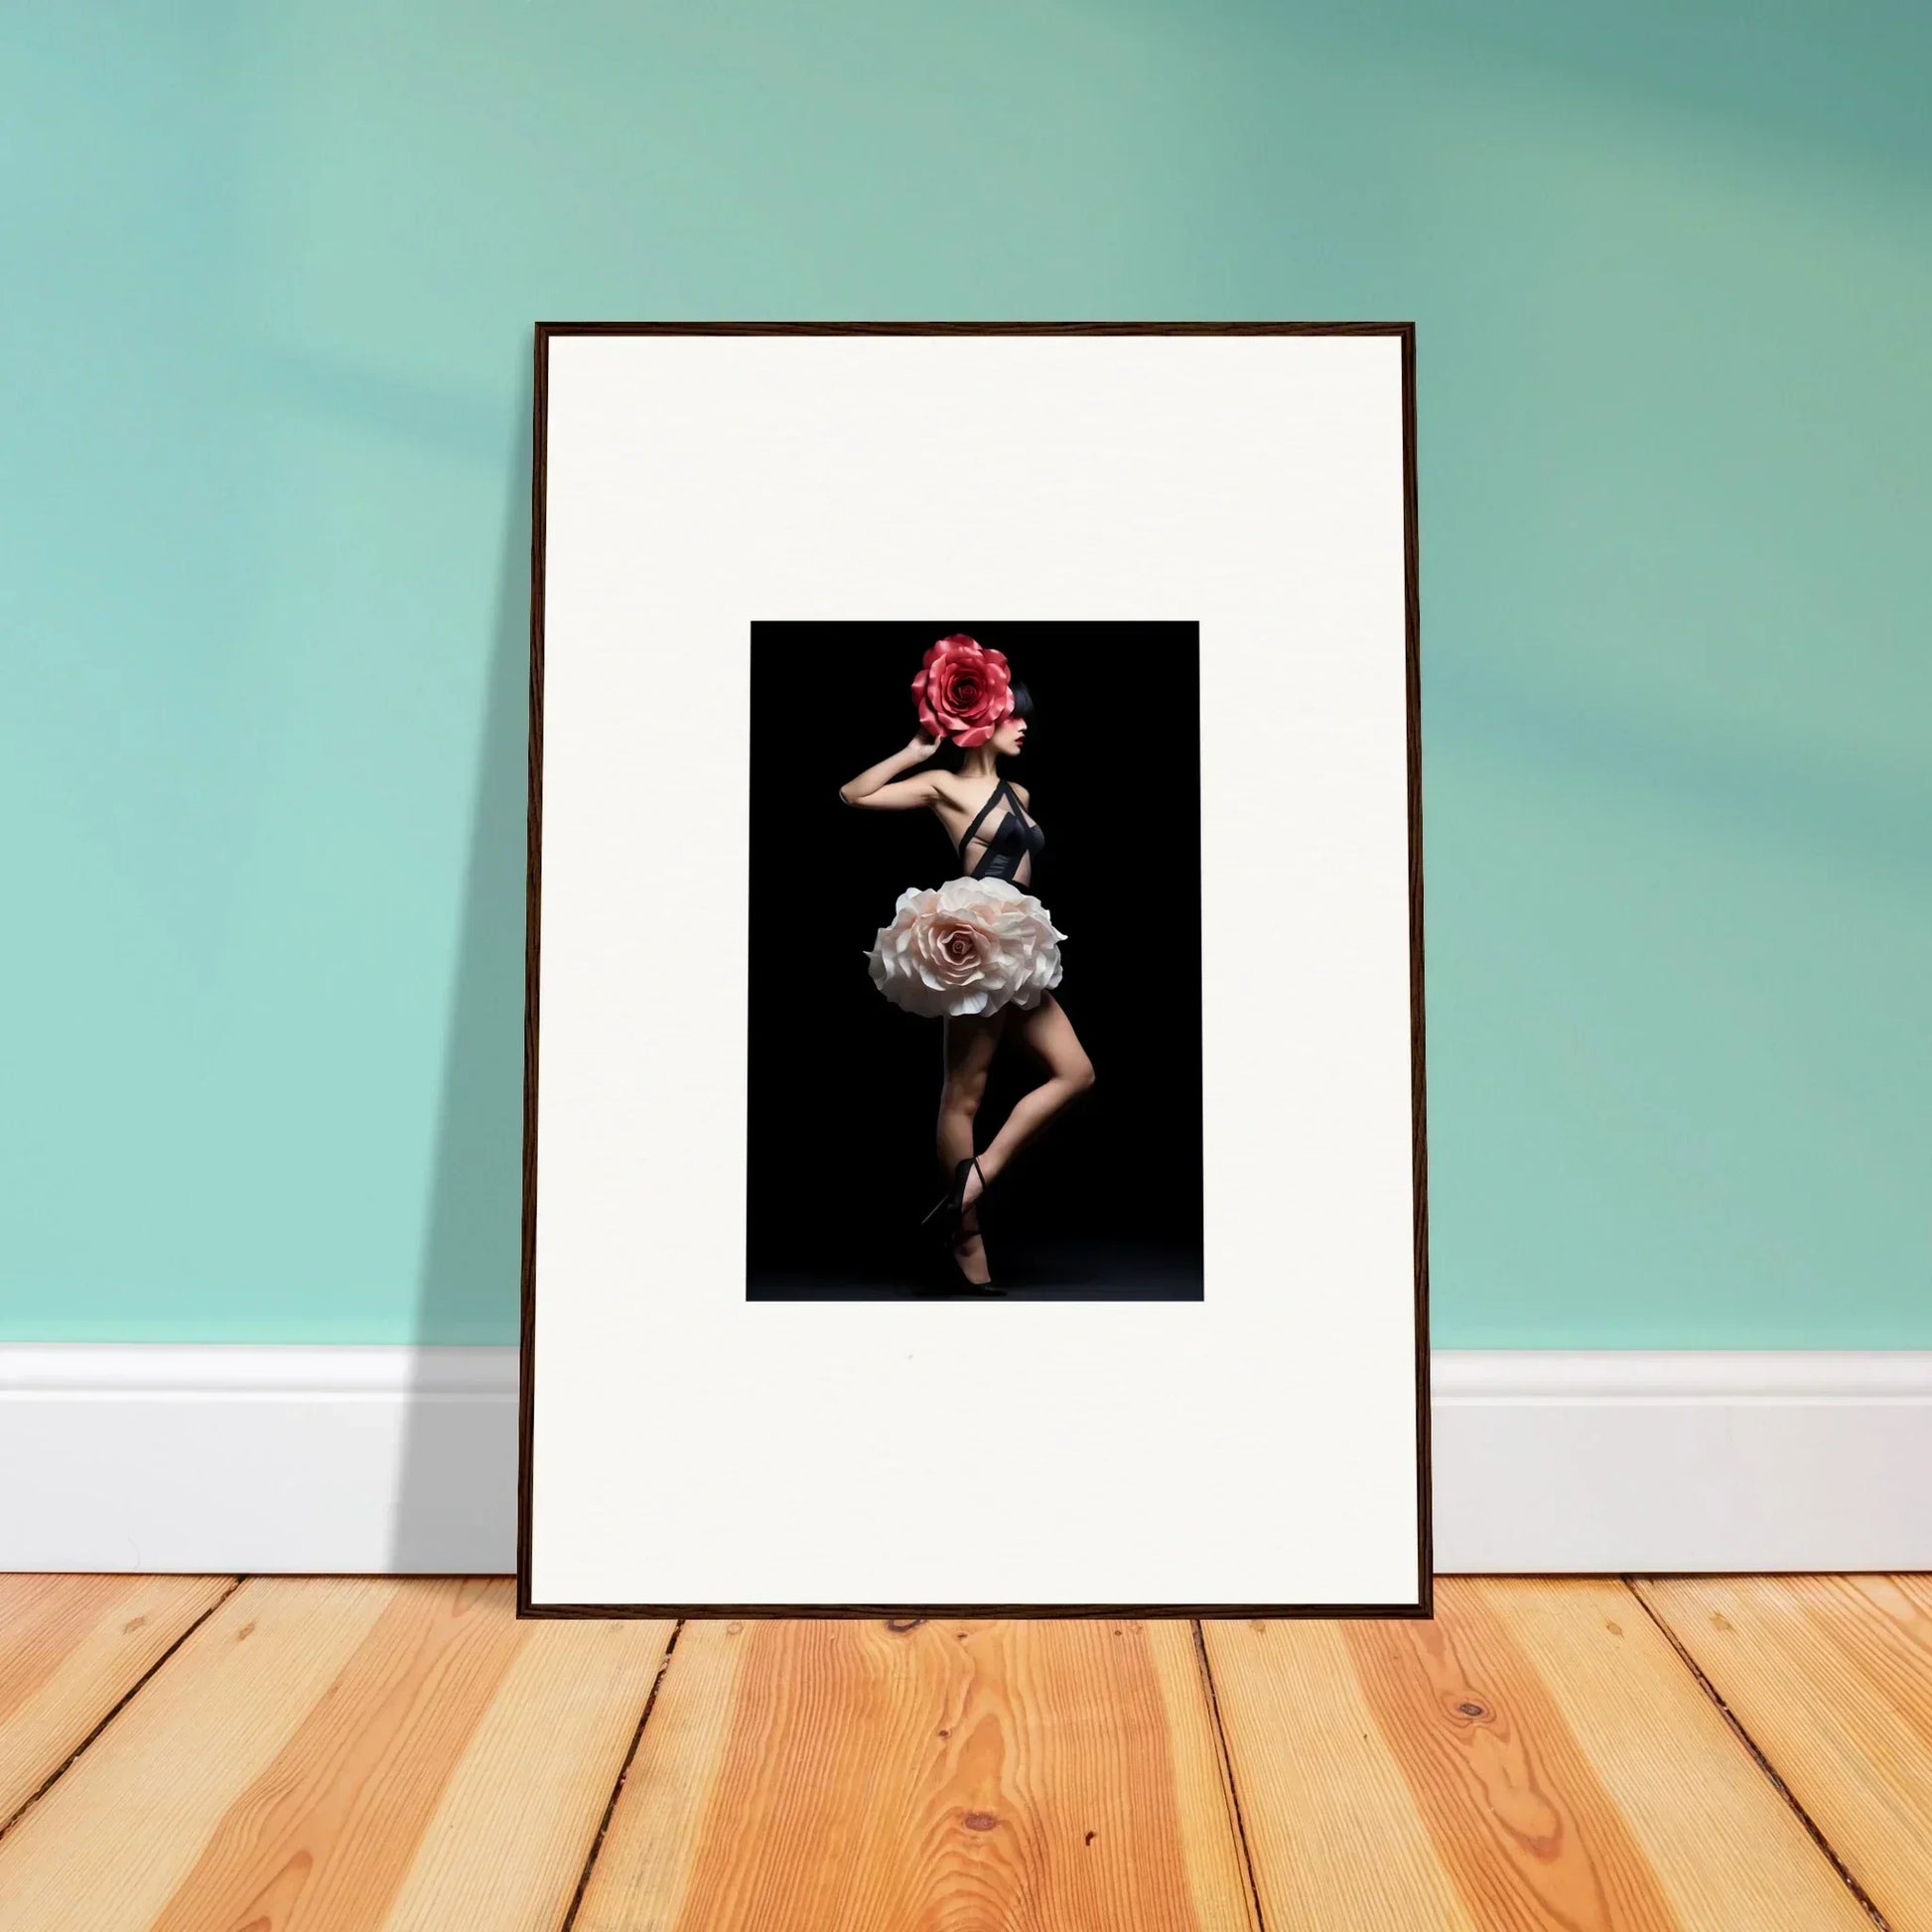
<point>457,1484</point>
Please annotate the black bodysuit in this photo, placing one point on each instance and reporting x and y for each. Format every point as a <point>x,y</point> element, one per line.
<point>1013,844</point>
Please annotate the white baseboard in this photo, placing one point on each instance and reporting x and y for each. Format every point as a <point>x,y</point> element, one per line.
<point>325,1460</point>
<point>1649,1461</point>
<point>344,1459</point>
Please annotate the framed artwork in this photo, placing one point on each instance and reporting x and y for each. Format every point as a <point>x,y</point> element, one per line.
<point>974,1146</point>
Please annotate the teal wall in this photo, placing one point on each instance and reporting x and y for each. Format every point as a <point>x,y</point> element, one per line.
<point>269,276</point>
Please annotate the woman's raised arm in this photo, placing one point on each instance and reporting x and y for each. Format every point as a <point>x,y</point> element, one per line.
<point>873,787</point>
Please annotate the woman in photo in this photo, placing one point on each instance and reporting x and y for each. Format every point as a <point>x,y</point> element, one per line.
<point>980,952</point>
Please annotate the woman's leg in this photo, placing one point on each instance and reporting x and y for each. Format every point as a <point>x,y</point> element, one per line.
<point>968,1048</point>
<point>1049,1035</point>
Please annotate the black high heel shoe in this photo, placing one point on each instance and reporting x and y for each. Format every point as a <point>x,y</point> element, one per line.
<point>955,1198</point>
<point>952,1204</point>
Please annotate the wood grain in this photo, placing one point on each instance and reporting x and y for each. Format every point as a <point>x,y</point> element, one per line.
<point>342,1755</point>
<point>70,1649</point>
<point>1832,1678</point>
<point>1536,1758</point>
<point>941,1774</point>
<point>518,1819</point>
<point>354,1755</point>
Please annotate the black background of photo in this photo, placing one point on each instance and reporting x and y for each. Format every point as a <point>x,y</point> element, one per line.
<point>844,1086</point>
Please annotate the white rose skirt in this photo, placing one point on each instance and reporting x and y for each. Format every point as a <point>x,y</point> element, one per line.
<point>969,947</point>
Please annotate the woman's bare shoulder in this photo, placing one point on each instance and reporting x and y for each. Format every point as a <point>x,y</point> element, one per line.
<point>1024,797</point>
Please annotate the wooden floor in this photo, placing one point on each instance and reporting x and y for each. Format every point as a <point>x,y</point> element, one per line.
<point>201,1754</point>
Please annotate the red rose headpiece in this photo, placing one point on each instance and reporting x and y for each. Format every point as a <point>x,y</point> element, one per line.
<point>963,690</point>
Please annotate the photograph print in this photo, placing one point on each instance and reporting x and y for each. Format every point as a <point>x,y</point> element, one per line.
<point>974,977</point>
<point>974,1153</point>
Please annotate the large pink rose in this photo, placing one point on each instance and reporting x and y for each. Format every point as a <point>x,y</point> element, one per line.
<point>972,946</point>
<point>963,690</point>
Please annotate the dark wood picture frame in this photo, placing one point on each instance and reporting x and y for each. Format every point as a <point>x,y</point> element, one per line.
<point>1423,1606</point>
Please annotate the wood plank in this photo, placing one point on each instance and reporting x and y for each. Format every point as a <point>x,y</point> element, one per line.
<point>520,1816</point>
<point>1536,1758</point>
<point>70,1649</point>
<point>1832,1677</point>
<point>943,1775</point>
<point>326,1753</point>
<point>110,1843</point>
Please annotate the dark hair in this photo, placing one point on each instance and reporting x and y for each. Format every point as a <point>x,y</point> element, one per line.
<point>1022,700</point>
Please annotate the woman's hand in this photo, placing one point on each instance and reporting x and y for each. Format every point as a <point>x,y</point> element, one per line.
<point>923,744</point>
